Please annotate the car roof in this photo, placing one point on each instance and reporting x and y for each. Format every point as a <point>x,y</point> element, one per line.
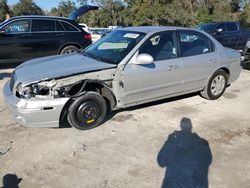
<point>40,16</point>
<point>152,29</point>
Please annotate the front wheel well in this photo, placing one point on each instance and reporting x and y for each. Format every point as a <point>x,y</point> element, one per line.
<point>90,85</point>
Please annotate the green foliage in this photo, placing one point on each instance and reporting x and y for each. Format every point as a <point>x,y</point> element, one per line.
<point>156,12</point>
<point>27,7</point>
<point>4,9</point>
<point>244,17</point>
<point>64,8</point>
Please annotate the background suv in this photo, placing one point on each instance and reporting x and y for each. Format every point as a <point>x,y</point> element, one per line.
<point>27,37</point>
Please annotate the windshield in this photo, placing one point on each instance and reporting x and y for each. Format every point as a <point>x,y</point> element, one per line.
<point>1,23</point>
<point>206,27</point>
<point>114,47</point>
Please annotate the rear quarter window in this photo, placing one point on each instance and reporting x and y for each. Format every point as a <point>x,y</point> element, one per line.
<point>69,27</point>
<point>43,25</point>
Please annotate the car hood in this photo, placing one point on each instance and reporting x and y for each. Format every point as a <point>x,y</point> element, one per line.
<point>80,11</point>
<point>58,66</point>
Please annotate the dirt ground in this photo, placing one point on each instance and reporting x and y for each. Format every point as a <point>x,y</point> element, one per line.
<point>182,142</point>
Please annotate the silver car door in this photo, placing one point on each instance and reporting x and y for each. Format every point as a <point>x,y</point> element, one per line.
<point>142,83</point>
<point>199,59</point>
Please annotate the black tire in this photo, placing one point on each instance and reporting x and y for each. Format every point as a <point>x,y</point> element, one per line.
<point>70,49</point>
<point>208,92</point>
<point>87,111</point>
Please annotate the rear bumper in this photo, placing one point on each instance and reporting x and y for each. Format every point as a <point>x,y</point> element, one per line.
<point>34,112</point>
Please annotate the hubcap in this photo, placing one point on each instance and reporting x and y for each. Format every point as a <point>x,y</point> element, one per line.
<point>88,113</point>
<point>218,85</point>
<point>70,51</point>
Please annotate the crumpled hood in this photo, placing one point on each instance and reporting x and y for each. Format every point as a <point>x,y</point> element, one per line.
<point>57,66</point>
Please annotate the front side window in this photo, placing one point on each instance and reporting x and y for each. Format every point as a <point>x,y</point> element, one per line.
<point>43,25</point>
<point>221,27</point>
<point>194,43</point>
<point>231,26</point>
<point>19,26</point>
<point>114,47</point>
<point>160,46</point>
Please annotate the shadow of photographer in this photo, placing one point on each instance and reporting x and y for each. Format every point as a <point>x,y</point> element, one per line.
<point>187,158</point>
<point>11,181</point>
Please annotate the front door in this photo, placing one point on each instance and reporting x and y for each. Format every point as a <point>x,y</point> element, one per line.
<point>163,77</point>
<point>14,40</point>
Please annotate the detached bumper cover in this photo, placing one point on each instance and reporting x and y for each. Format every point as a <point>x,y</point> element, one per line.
<point>34,112</point>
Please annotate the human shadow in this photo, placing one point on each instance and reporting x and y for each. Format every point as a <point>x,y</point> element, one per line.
<point>11,181</point>
<point>187,158</point>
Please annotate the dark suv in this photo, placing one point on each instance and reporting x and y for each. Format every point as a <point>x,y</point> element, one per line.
<point>27,37</point>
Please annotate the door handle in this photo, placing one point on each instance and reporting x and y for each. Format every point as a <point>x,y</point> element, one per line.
<point>212,61</point>
<point>60,34</point>
<point>172,67</point>
<point>26,35</point>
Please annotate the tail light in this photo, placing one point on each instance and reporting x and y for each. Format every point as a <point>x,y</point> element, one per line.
<point>87,36</point>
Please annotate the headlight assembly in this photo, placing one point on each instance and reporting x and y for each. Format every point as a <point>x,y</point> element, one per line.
<point>24,92</point>
<point>36,89</point>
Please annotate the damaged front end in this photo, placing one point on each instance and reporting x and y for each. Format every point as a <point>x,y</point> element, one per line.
<point>67,87</point>
<point>42,103</point>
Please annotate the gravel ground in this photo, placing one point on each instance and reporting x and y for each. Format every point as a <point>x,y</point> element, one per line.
<point>182,141</point>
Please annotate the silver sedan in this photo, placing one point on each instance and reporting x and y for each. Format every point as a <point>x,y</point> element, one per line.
<point>129,66</point>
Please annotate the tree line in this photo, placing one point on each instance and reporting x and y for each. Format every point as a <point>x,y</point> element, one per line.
<point>141,12</point>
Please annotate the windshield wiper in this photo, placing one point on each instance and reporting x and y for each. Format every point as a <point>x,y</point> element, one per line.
<point>92,56</point>
<point>98,58</point>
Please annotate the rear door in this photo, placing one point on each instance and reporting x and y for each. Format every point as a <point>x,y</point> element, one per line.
<point>234,35</point>
<point>221,34</point>
<point>199,59</point>
<point>46,40</point>
<point>14,42</point>
<point>161,78</point>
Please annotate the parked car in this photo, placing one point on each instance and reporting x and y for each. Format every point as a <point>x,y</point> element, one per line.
<point>27,37</point>
<point>130,66</point>
<point>229,34</point>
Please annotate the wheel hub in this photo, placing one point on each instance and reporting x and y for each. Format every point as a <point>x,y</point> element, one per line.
<point>218,85</point>
<point>88,113</point>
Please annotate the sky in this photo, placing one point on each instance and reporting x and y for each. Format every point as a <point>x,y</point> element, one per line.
<point>44,4</point>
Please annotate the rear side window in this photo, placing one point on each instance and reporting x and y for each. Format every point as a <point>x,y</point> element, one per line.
<point>68,27</point>
<point>161,46</point>
<point>194,43</point>
<point>59,26</point>
<point>231,26</point>
<point>43,25</point>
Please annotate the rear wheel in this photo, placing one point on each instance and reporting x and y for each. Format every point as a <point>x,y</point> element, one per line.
<point>216,86</point>
<point>87,111</point>
<point>69,50</point>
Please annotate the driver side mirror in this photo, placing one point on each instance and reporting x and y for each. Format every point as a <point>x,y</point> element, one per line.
<point>144,59</point>
<point>2,32</point>
<point>217,31</point>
